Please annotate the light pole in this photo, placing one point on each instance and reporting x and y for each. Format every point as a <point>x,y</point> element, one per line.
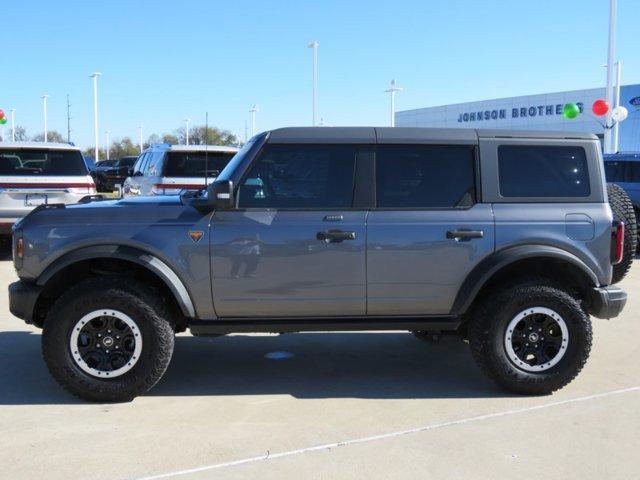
<point>140,130</point>
<point>186,121</point>
<point>95,76</point>
<point>44,114</point>
<point>13,124</point>
<point>107,137</point>
<point>616,127</point>
<point>314,47</point>
<point>611,53</point>
<point>253,111</point>
<point>393,89</point>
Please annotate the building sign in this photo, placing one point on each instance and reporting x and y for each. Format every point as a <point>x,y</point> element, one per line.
<point>517,112</point>
<point>635,101</point>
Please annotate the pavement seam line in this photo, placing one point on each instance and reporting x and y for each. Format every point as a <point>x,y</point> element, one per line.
<point>384,436</point>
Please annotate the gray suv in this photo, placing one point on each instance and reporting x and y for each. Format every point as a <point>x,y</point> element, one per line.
<point>505,238</point>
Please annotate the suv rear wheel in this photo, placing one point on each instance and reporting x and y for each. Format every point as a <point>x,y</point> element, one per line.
<point>532,338</point>
<point>108,339</point>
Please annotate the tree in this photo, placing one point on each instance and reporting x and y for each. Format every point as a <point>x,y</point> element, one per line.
<point>21,134</point>
<point>170,139</point>
<point>52,136</point>
<point>214,136</point>
<point>124,148</point>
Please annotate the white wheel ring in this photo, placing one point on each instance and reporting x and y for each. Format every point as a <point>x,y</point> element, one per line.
<point>517,361</point>
<point>75,354</point>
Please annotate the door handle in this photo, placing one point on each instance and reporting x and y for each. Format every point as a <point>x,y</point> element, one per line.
<point>464,235</point>
<point>335,236</point>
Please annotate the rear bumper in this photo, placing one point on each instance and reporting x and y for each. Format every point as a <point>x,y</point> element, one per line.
<point>22,299</point>
<point>607,302</point>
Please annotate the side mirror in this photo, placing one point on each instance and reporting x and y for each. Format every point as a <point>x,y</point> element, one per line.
<point>219,197</point>
<point>220,194</point>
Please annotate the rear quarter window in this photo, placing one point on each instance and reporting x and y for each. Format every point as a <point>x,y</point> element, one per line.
<point>543,171</point>
<point>193,164</point>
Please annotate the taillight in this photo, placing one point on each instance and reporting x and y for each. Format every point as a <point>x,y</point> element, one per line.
<point>617,244</point>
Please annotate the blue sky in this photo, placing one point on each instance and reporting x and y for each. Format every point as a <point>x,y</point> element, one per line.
<point>164,61</point>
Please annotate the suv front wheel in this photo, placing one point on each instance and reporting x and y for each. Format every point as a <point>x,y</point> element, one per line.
<point>108,339</point>
<point>532,338</point>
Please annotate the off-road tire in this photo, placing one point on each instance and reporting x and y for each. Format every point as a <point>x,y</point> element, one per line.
<point>623,210</point>
<point>134,299</point>
<point>488,325</point>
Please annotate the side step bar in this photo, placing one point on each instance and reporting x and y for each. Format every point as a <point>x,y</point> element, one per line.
<point>222,326</point>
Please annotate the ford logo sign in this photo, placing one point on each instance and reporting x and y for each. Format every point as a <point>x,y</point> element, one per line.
<point>635,101</point>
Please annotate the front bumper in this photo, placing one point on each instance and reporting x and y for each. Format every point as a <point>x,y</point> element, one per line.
<point>607,302</point>
<point>22,299</point>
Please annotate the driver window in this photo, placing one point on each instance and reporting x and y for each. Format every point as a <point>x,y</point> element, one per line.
<point>300,177</point>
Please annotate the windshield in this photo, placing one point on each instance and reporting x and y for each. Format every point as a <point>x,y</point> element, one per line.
<point>40,162</point>
<point>192,164</point>
<point>127,161</point>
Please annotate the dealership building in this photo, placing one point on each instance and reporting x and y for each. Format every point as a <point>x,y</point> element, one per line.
<point>533,112</point>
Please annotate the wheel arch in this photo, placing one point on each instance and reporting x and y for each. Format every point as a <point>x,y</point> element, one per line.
<point>522,261</point>
<point>141,262</point>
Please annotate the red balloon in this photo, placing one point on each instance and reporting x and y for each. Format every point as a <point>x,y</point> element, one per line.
<point>600,107</point>
<point>1,113</point>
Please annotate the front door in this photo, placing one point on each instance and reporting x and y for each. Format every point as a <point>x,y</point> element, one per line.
<point>294,246</point>
<point>427,231</point>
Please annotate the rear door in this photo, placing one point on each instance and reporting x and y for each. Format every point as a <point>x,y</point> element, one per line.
<point>32,176</point>
<point>427,231</point>
<point>295,246</point>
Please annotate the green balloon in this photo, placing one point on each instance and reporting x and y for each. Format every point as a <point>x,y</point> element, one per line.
<point>570,110</point>
<point>3,121</point>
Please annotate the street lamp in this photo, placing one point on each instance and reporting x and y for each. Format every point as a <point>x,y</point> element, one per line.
<point>314,47</point>
<point>186,121</point>
<point>107,135</point>
<point>393,89</point>
<point>13,124</point>
<point>253,111</point>
<point>140,130</point>
<point>95,76</point>
<point>611,53</point>
<point>44,114</point>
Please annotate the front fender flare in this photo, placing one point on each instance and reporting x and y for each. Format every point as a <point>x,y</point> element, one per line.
<point>142,258</point>
<point>483,272</point>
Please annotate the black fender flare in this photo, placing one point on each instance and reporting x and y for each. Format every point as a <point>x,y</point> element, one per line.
<point>140,257</point>
<point>483,272</point>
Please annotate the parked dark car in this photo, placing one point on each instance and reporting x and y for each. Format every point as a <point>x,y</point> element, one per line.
<point>110,173</point>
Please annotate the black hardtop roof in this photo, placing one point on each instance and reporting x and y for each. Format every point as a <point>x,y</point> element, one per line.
<point>372,135</point>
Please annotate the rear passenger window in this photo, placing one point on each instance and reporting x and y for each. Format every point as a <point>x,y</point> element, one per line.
<point>542,171</point>
<point>615,171</point>
<point>425,176</point>
<point>301,176</point>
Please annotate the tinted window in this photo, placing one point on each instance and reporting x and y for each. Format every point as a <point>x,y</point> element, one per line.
<point>38,162</point>
<point>153,166</point>
<point>192,164</point>
<point>127,161</point>
<point>425,176</point>
<point>615,171</point>
<point>542,171</point>
<point>300,176</point>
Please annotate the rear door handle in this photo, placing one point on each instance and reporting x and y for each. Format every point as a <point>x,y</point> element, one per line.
<point>335,236</point>
<point>464,235</point>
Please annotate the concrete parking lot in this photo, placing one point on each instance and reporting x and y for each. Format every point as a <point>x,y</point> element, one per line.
<point>349,405</point>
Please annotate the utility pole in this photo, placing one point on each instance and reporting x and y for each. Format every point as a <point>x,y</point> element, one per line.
<point>314,47</point>
<point>393,89</point>
<point>68,120</point>
<point>44,114</point>
<point>95,76</point>
<point>108,138</point>
<point>611,53</point>
<point>616,127</point>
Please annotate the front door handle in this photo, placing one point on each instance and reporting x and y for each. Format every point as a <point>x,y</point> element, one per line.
<point>335,236</point>
<point>464,235</point>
